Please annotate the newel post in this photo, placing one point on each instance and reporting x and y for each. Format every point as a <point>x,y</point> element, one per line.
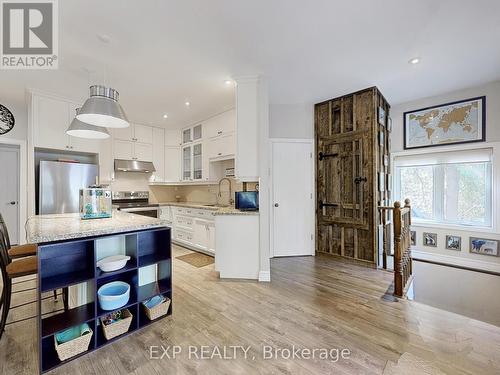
<point>398,261</point>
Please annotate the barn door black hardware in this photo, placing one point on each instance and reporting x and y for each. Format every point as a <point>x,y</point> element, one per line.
<point>358,179</point>
<point>321,205</point>
<point>323,156</point>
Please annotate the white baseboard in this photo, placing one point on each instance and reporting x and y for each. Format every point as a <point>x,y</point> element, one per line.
<point>265,276</point>
<point>464,262</point>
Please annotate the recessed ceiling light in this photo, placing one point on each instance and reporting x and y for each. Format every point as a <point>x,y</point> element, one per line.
<point>414,61</point>
<point>187,104</point>
<point>228,82</point>
<point>165,116</point>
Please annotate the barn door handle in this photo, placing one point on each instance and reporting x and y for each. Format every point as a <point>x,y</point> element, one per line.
<point>321,205</point>
<point>323,156</point>
<point>358,179</point>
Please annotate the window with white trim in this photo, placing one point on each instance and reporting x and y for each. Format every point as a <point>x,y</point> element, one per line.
<point>447,187</point>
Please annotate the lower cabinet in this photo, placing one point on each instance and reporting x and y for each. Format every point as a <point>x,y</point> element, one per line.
<point>194,228</point>
<point>200,234</point>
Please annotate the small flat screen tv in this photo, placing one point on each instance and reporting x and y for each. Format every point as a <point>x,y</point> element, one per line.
<point>247,200</point>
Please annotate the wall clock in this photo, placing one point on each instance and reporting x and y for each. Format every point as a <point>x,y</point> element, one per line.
<point>6,120</point>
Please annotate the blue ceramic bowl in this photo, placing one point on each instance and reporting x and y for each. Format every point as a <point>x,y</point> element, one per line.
<point>113,295</point>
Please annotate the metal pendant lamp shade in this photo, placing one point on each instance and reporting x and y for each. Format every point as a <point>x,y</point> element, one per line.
<point>102,109</point>
<point>83,130</point>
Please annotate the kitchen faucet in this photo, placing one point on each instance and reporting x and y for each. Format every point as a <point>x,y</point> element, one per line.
<point>231,200</point>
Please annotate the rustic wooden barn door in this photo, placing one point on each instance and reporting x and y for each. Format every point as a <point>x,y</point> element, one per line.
<point>342,176</point>
<point>346,147</point>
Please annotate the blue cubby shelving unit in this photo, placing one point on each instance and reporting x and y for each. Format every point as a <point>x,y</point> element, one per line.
<point>67,263</point>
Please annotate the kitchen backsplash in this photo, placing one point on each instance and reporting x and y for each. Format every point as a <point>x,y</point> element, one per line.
<point>196,193</point>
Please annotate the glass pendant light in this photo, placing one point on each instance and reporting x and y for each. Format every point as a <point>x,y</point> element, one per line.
<point>102,109</point>
<point>82,130</point>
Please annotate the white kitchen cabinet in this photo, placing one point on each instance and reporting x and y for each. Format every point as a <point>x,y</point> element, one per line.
<point>186,136</point>
<point>144,134</point>
<point>143,151</point>
<point>187,163</point>
<point>192,163</point>
<point>123,149</point>
<point>222,147</point>
<point>172,138</point>
<point>134,133</point>
<point>197,162</point>
<point>172,164</point>
<point>251,104</point>
<point>193,228</point>
<point>50,123</point>
<point>51,119</point>
<point>158,154</point>
<point>197,132</point>
<point>124,134</point>
<point>211,236</point>
<point>129,150</point>
<point>200,234</point>
<point>220,124</point>
<point>106,162</point>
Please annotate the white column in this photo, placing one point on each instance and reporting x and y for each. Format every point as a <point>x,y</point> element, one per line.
<point>252,153</point>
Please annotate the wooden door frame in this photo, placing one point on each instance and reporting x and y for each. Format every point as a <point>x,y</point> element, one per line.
<point>312,179</point>
<point>23,178</point>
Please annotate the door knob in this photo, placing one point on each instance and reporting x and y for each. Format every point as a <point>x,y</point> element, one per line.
<point>12,202</point>
<point>276,205</point>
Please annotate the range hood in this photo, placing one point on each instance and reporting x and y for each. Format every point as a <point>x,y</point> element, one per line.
<point>134,166</point>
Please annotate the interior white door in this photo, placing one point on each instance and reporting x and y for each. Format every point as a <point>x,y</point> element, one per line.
<point>292,205</point>
<point>9,190</point>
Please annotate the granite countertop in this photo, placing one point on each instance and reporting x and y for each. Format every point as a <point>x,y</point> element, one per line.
<point>58,227</point>
<point>217,210</point>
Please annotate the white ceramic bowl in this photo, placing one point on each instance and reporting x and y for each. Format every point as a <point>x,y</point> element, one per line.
<point>113,263</point>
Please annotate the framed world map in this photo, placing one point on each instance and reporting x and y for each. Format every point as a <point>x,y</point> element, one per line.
<point>451,123</point>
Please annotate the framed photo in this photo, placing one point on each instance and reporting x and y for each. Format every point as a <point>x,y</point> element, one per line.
<point>453,243</point>
<point>413,238</point>
<point>430,239</point>
<point>381,116</point>
<point>458,122</point>
<point>484,246</point>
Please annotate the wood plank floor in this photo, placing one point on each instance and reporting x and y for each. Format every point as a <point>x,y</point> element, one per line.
<point>312,302</point>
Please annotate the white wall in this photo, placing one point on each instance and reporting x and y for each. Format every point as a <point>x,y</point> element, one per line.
<point>439,253</point>
<point>463,292</point>
<point>291,121</point>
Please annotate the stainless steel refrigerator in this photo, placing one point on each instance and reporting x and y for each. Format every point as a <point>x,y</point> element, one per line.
<point>60,184</point>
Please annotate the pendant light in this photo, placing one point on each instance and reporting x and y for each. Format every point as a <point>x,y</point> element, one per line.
<point>83,130</point>
<point>102,109</point>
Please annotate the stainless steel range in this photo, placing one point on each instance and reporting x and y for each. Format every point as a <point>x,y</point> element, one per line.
<point>135,202</point>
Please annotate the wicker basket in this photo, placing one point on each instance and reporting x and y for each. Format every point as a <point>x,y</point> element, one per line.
<point>118,328</point>
<point>158,310</point>
<point>74,347</point>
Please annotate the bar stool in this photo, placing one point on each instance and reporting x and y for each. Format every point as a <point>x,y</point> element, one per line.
<point>16,252</point>
<point>20,251</point>
<point>11,270</point>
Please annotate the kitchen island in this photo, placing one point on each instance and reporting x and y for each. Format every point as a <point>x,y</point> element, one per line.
<point>68,249</point>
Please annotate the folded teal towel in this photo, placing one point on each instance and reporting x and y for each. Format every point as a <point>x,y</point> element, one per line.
<point>72,333</point>
<point>155,301</point>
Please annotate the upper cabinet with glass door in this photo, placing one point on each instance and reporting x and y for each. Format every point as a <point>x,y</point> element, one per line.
<point>192,134</point>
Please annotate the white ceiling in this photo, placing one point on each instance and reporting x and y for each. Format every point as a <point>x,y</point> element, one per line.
<point>164,52</point>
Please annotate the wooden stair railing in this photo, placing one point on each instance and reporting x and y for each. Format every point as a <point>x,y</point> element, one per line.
<point>402,248</point>
<point>401,221</point>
